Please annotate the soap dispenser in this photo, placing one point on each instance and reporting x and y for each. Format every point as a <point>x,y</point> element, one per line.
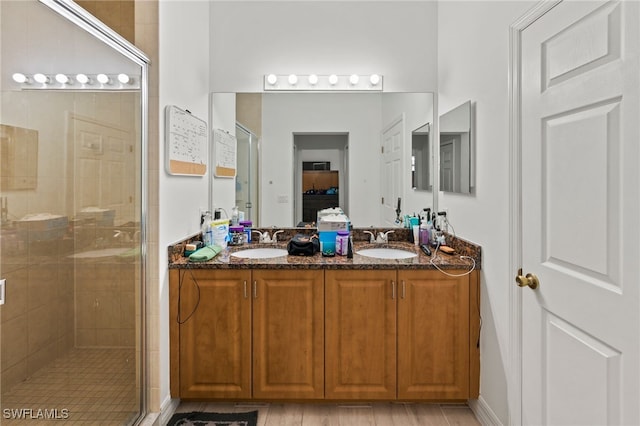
<point>205,227</point>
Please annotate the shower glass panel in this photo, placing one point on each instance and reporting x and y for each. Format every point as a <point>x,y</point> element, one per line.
<point>71,159</point>
<point>247,173</point>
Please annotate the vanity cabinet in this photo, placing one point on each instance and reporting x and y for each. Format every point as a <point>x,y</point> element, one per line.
<point>403,335</point>
<point>360,321</point>
<point>433,335</point>
<point>288,334</point>
<point>210,333</point>
<point>224,322</point>
<point>336,334</point>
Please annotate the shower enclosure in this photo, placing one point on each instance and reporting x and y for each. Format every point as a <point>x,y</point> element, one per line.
<point>247,173</point>
<point>72,150</point>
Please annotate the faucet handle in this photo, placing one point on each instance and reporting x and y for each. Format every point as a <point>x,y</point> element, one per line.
<point>274,238</point>
<point>372,239</point>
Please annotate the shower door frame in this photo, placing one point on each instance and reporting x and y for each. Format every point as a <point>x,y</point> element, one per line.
<point>86,21</point>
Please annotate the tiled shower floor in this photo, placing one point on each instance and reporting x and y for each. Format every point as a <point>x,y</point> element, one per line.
<point>94,386</point>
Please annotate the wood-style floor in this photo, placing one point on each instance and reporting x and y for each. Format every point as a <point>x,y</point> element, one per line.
<point>376,414</point>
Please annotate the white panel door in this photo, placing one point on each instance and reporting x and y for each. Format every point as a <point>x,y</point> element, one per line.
<point>447,167</point>
<point>580,215</point>
<point>392,148</point>
<point>103,157</point>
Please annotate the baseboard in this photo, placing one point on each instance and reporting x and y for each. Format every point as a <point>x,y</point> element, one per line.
<point>167,409</point>
<point>484,413</point>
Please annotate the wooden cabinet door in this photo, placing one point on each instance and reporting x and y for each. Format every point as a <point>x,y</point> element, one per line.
<point>214,312</point>
<point>360,321</point>
<point>288,334</point>
<point>433,335</point>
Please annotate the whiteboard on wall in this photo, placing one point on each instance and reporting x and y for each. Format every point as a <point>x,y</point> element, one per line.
<point>186,143</point>
<point>225,152</point>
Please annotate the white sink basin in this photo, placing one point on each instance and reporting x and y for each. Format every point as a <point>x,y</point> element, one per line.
<point>386,253</point>
<point>260,253</point>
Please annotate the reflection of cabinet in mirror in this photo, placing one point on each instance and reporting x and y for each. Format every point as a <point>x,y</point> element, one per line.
<point>320,191</point>
<point>456,150</point>
<point>18,158</point>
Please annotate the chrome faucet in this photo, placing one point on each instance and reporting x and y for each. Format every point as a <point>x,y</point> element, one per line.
<point>373,237</point>
<point>383,237</point>
<point>264,236</point>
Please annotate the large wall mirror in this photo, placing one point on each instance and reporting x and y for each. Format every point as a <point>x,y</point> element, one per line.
<point>319,150</point>
<point>456,150</point>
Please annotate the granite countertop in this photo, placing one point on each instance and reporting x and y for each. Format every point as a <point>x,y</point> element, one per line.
<point>464,257</point>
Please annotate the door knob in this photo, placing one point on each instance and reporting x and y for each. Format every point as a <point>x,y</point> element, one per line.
<point>529,280</point>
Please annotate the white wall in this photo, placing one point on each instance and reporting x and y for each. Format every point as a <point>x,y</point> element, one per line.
<point>473,61</point>
<point>396,39</point>
<point>184,82</point>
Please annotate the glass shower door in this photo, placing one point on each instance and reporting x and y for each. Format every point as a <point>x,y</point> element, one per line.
<point>247,173</point>
<point>71,237</point>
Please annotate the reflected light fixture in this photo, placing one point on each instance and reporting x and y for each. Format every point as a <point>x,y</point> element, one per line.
<point>82,78</point>
<point>123,78</point>
<point>41,78</point>
<point>18,77</point>
<point>315,82</point>
<point>64,81</point>
<point>103,79</point>
<point>272,79</point>
<point>62,78</point>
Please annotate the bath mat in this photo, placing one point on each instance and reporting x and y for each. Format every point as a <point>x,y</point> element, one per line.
<point>197,418</point>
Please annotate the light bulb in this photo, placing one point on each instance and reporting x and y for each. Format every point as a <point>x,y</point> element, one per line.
<point>123,78</point>
<point>19,78</point>
<point>272,79</point>
<point>333,79</point>
<point>293,79</point>
<point>313,79</point>
<point>82,78</point>
<point>374,79</point>
<point>41,78</point>
<point>353,79</point>
<point>102,78</point>
<point>62,79</point>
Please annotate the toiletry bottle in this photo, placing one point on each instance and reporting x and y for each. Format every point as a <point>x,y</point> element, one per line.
<point>205,228</point>
<point>432,233</point>
<point>424,233</point>
<point>235,216</point>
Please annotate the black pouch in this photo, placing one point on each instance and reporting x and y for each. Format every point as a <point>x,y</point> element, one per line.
<point>303,245</point>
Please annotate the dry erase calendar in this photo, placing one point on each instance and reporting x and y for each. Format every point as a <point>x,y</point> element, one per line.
<point>186,143</point>
<point>225,154</point>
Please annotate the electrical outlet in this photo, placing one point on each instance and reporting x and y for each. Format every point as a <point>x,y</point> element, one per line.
<point>2,292</point>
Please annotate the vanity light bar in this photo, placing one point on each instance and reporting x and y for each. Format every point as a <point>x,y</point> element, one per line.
<point>101,81</point>
<point>314,82</point>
